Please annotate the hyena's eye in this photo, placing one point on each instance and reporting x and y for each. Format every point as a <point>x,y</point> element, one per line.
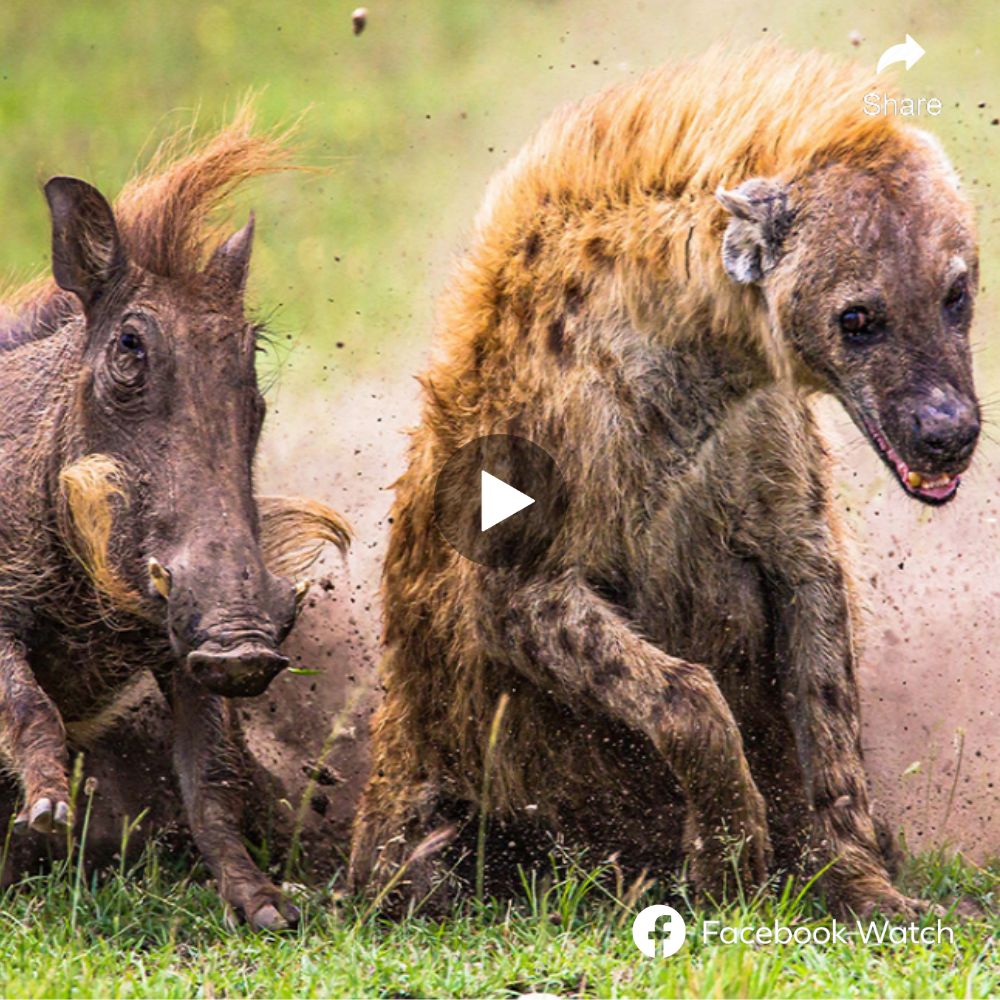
<point>856,323</point>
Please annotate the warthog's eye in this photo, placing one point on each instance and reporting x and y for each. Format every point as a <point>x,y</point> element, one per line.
<point>858,326</point>
<point>958,296</point>
<point>127,357</point>
<point>130,341</point>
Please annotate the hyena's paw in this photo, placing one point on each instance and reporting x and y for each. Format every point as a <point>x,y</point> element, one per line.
<point>887,902</point>
<point>733,858</point>
<point>47,814</point>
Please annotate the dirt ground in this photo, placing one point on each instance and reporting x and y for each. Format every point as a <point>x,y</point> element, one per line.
<point>930,683</point>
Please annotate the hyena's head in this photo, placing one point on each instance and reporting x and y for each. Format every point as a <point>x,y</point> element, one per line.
<point>869,277</point>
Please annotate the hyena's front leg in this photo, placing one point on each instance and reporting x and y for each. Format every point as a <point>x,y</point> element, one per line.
<point>819,688</point>
<point>575,645</point>
<point>32,743</point>
<point>210,771</point>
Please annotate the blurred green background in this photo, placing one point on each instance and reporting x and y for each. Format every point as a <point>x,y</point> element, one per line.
<point>411,117</point>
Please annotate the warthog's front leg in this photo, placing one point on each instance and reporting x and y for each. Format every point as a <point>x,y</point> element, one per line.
<point>32,743</point>
<point>210,770</point>
<point>575,645</point>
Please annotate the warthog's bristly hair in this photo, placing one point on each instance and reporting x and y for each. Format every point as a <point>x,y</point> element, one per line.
<point>164,212</point>
<point>91,487</point>
<point>294,531</point>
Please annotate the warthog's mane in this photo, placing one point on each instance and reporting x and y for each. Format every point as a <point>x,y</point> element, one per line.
<point>164,212</point>
<point>164,215</point>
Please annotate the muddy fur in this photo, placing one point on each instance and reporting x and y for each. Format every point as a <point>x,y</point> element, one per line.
<point>132,544</point>
<point>657,285</point>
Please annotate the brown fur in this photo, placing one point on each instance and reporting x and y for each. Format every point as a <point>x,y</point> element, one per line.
<point>681,666</point>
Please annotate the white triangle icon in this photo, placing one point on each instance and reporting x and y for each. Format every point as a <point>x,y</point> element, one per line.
<point>499,500</point>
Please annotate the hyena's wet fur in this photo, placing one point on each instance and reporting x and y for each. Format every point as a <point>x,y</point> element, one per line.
<point>656,286</point>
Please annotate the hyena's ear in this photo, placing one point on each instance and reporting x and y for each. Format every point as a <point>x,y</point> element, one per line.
<point>760,218</point>
<point>87,252</point>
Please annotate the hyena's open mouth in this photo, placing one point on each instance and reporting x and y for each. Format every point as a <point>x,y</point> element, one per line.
<point>932,488</point>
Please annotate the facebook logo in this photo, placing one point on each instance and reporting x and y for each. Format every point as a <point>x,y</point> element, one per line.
<point>659,930</point>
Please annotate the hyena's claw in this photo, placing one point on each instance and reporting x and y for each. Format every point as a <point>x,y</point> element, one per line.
<point>43,817</point>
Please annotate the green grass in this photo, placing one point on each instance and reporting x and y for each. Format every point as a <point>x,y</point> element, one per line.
<point>158,931</point>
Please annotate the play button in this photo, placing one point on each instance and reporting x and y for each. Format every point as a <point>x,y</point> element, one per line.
<point>500,501</point>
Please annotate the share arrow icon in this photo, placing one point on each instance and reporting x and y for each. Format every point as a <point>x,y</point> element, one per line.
<point>909,52</point>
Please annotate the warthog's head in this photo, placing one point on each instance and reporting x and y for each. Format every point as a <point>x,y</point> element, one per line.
<point>169,413</point>
<point>869,272</point>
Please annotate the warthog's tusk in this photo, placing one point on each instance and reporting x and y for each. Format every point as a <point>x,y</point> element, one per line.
<point>160,576</point>
<point>301,589</point>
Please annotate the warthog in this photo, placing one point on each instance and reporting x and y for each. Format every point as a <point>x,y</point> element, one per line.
<point>659,282</point>
<point>131,540</point>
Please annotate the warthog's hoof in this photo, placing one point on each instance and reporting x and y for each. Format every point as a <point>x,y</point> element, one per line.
<point>264,909</point>
<point>270,918</point>
<point>43,816</point>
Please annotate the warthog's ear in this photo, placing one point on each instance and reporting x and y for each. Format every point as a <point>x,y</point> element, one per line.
<point>229,264</point>
<point>87,252</point>
<point>760,220</point>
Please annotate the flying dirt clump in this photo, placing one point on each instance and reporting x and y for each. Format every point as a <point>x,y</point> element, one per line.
<point>658,284</point>
<point>131,541</point>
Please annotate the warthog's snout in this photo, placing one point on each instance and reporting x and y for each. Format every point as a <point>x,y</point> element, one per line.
<point>240,672</point>
<point>227,616</point>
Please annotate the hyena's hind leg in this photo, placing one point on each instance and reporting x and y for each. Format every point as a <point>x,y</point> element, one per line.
<point>399,856</point>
